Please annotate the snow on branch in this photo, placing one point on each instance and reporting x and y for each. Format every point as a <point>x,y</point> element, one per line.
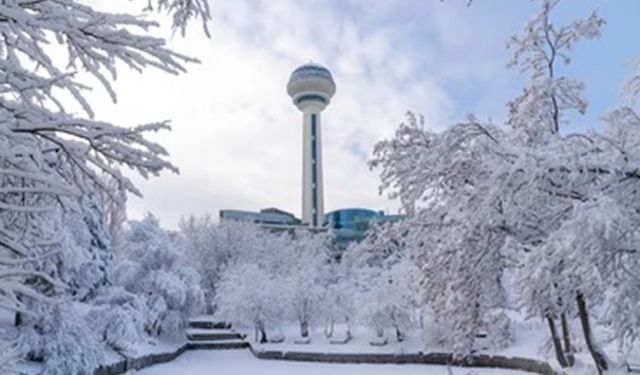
<point>537,51</point>
<point>184,11</point>
<point>632,87</point>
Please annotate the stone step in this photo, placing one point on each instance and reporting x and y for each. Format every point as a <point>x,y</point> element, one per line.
<point>205,322</point>
<point>212,335</point>
<point>218,345</point>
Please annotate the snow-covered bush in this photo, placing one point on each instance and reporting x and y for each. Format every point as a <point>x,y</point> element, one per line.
<point>149,269</point>
<point>9,356</point>
<point>118,317</point>
<point>63,340</point>
<point>116,327</point>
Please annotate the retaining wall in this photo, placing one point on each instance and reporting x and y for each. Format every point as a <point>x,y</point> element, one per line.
<point>138,363</point>
<point>481,360</point>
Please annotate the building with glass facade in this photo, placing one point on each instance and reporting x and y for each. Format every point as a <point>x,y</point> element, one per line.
<point>351,224</point>
<point>269,217</point>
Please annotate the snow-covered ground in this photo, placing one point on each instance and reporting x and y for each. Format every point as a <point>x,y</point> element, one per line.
<point>242,362</point>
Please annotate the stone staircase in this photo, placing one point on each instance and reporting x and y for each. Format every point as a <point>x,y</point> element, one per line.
<point>206,333</point>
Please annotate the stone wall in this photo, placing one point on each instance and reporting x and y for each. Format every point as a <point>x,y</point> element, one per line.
<point>138,363</point>
<point>482,360</point>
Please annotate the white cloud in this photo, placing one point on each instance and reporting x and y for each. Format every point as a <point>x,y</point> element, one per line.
<point>237,136</point>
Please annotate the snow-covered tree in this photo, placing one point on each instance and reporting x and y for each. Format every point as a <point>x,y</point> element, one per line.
<point>277,278</point>
<point>387,298</point>
<point>250,297</point>
<point>487,195</point>
<point>386,279</point>
<point>210,247</point>
<point>308,257</point>
<point>538,51</point>
<point>52,149</point>
<point>149,269</point>
<point>457,249</point>
<point>339,302</point>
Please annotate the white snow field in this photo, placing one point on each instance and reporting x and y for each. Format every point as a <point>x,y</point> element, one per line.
<point>242,362</point>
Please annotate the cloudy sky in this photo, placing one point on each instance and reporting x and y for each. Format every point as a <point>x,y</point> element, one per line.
<point>237,137</point>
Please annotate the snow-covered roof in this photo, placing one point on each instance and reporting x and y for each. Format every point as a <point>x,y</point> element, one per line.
<point>311,70</point>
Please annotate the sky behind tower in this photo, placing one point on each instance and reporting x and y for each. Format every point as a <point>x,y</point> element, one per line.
<point>237,136</point>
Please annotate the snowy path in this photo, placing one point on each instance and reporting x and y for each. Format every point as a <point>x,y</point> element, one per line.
<point>242,362</point>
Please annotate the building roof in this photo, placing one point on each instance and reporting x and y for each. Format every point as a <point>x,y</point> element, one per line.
<point>311,70</point>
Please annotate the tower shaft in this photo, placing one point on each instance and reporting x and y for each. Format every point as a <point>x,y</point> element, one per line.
<point>312,183</point>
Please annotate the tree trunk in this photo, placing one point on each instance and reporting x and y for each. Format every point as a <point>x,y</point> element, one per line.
<point>396,327</point>
<point>598,357</point>
<point>304,328</point>
<point>379,331</point>
<point>557,345</point>
<point>17,319</point>
<point>261,333</point>
<point>399,335</point>
<point>566,337</point>
<point>328,329</point>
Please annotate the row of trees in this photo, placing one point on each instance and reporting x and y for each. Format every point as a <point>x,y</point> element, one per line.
<point>266,280</point>
<point>558,210</point>
<point>60,168</point>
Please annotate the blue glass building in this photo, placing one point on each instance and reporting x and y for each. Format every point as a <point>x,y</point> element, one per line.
<point>351,224</point>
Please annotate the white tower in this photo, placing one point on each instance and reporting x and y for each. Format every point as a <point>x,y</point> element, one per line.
<point>311,87</point>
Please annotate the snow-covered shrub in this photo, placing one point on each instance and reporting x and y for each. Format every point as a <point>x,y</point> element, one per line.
<point>62,339</point>
<point>149,269</point>
<point>9,356</point>
<point>119,327</point>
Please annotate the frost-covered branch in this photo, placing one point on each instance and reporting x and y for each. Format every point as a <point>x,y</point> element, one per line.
<point>185,11</point>
<point>537,52</point>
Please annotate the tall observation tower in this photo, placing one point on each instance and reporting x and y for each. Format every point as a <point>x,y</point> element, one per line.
<point>311,87</point>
